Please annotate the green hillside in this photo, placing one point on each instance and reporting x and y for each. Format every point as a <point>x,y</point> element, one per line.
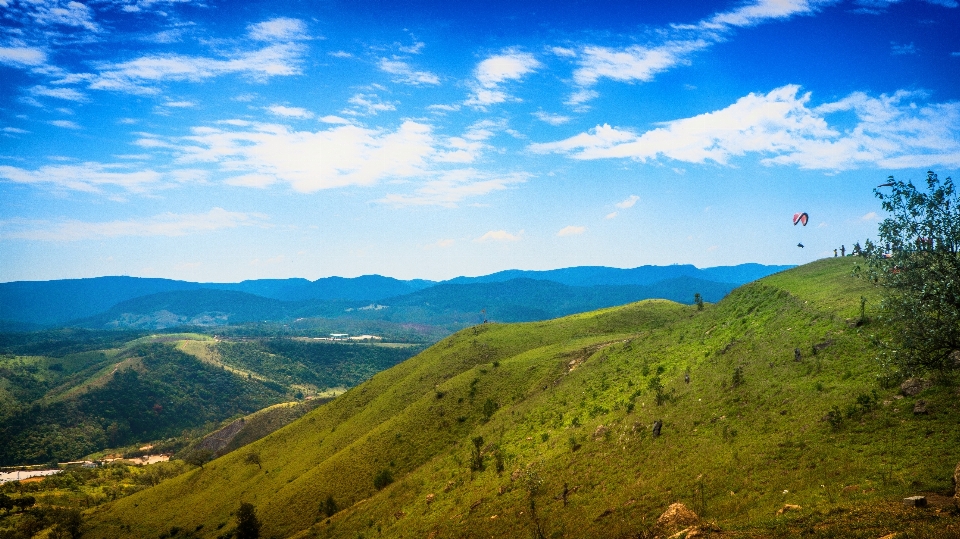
<point>565,409</point>
<point>62,404</point>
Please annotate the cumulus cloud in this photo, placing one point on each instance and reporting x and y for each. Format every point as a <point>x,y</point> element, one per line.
<point>165,224</point>
<point>278,29</point>
<point>571,231</point>
<point>405,74</point>
<point>496,70</point>
<point>782,128</point>
<point>140,75</point>
<point>261,154</point>
<point>500,236</point>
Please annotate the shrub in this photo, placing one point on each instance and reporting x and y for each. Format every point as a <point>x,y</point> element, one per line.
<point>383,478</point>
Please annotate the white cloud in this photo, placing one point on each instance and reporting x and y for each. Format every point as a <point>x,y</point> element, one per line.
<point>331,119</point>
<point>258,154</point>
<point>496,70</point>
<point>612,215</point>
<point>22,56</point>
<point>782,129</point>
<point>55,12</point>
<point>453,187</point>
<point>66,124</point>
<point>367,105</point>
<point>678,44</point>
<point>444,108</point>
<point>500,235</point>
<point>15,130</point>
<point>406,74</point>
<point>165,224</point>
<point>872,216</point>
<point>571,231</point>
<point>632,63</point>
<point>760,11</point>
<point>563,51</point>
<point>340,54</point>
<point>290,112</point>
<point>180,104</point>
<point>87,177</point>
<point>415,48</point>
<point>60,93</point>
<point>504,67</point>
<point>278,29</point>
<point>136,76</point>
<point>628,202</point>
<point>552,119</point>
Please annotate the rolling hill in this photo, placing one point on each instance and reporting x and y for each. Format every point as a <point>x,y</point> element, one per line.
<point>543,429</point>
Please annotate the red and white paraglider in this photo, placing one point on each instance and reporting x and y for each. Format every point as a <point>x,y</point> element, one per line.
<point>800,219</point>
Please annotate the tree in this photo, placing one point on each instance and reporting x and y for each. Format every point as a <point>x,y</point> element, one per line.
<point>476,456</point>
<point>253,458</point>
<point>66,524</point>
<point>329,507</point>
<point>698,299</point>
<point>198,457</point>
<point>917,266</point>
<point>248,525</point>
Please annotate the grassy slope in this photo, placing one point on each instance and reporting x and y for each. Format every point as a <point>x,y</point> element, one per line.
<point>735,454</point>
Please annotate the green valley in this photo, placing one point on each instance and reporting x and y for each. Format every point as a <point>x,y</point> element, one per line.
<point>76,396</point>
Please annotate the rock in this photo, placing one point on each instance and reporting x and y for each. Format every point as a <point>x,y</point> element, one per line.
<point>787,507</point>
<point>920,407</point>
<point>430,498</point>
<point>915,501</point>
<point>677,516</point>
<point>657,425</point>
<point>796,354</point>
<point>913,386</point>
<point>601,431</point>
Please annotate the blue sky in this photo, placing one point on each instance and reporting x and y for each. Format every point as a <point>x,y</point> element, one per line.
<point>222,141</point>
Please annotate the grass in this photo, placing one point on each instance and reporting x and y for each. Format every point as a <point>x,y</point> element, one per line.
<point>573,401</point>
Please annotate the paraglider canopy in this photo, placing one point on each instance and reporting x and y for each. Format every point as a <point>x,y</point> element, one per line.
<point>800,218</point>
<point>800,245</point>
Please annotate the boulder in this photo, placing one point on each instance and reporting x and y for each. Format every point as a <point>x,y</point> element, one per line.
<point>913,386</point>
<point>677,516</point>
<point>920,407</point>
<point>915,501</point>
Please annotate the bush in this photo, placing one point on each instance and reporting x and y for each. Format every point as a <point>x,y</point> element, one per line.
<point>382,479</point>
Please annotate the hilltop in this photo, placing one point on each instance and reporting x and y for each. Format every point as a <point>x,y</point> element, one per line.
<point>544,429</point>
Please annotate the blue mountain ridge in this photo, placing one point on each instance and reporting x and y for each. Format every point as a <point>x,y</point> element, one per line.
<point>27,304</point>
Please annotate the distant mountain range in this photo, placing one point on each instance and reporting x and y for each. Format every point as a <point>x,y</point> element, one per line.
<point>507,296</point>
